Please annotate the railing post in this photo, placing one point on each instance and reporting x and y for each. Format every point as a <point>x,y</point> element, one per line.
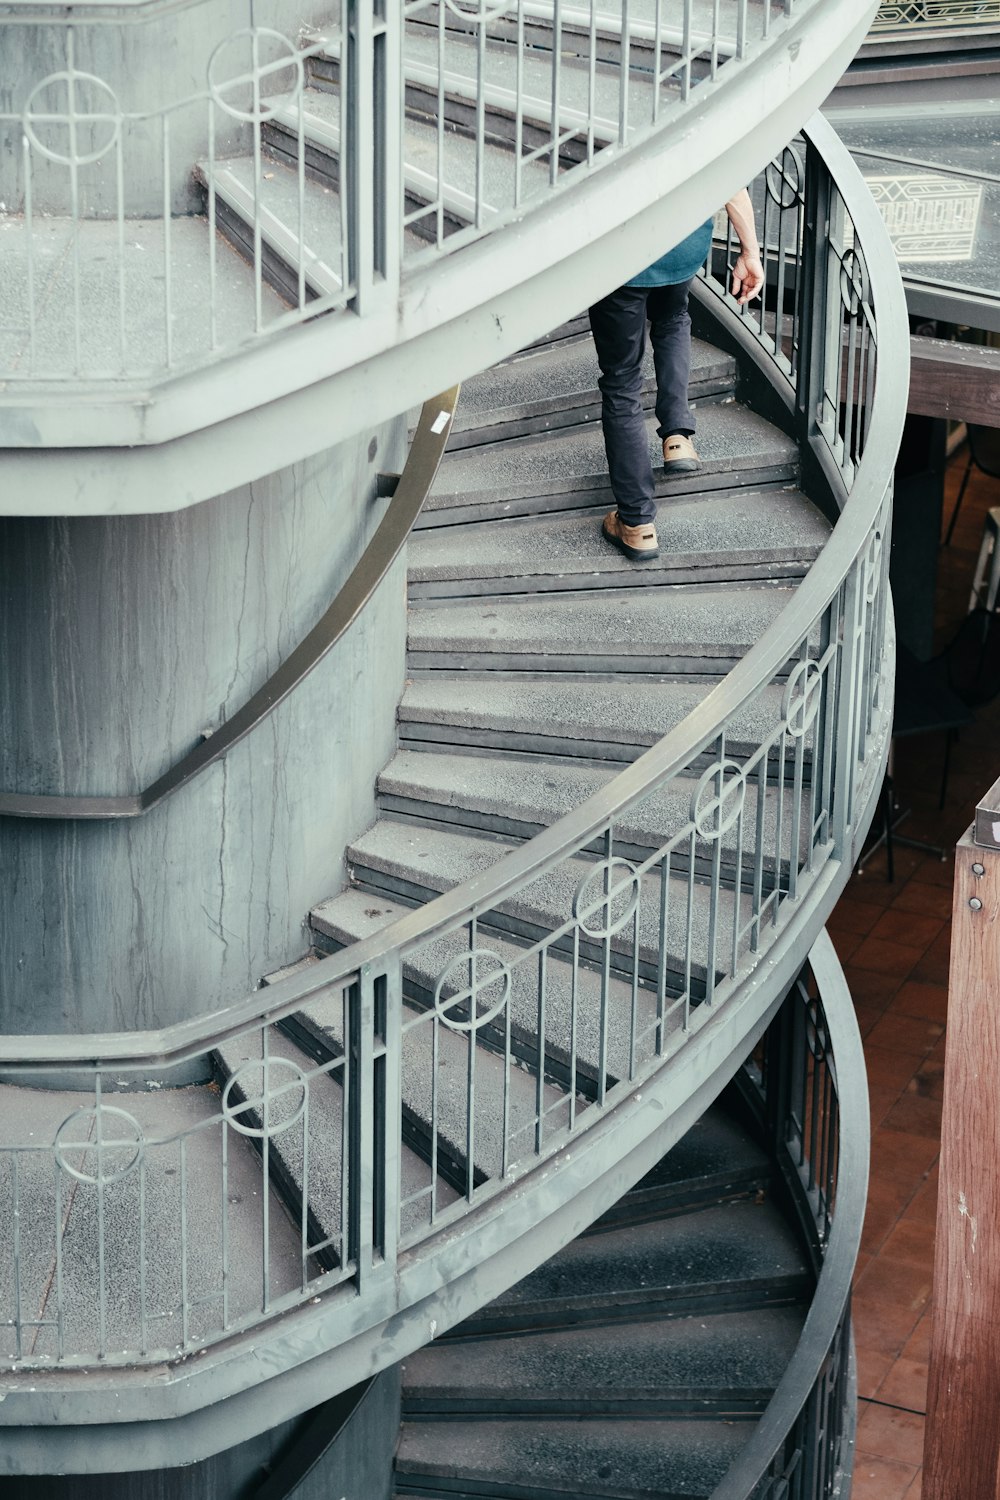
<point>374,1044</point>
<point>962,1445</point>
<point>373,149</point>
<point>812,314</point>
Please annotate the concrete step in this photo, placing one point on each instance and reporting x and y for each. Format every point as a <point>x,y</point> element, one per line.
<point>771,533</point>
<point>554,1460</point>
<point>515,798</point>
<point>441,1072</point>
<point>567,470</point>
<point>727,1365</point>
<point>673,630</point>
<point>497,87</point>
<point>555,385</point>
<point>569,1034</point>
<point>307,1165</point>
<point>456,185</point>
<point>415,863</point>
<point>598,717</point>
<point>731,1257</point>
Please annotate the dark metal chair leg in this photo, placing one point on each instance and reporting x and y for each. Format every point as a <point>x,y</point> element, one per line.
<point>958,502</point>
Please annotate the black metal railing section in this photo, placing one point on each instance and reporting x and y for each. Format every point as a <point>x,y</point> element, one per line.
<point>422,1086</point>
<point>808,1084</point>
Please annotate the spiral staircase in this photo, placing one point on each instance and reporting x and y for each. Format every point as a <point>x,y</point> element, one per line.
<point>550,1117</point>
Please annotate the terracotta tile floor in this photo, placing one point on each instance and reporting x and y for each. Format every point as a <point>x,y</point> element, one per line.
<point>893,942</point>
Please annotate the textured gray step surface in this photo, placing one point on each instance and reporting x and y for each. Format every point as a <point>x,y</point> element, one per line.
<point>737,1255</point>
<point>324,1191</point>
<point>122,296</point>
<point>757,534</point>
<point>672,629</point>
<point>457,182</point>
<point>556,384</point>
<point>517,798</point>
<point>572,1033</point>
<point>499,82</point>
<point>568,469</point>
<point>402,859</point>
<point>436,1114</point>
<point>598,717</point>
<point>729,1363</point>
<point>536,1460</point>
<point>221,1255</point>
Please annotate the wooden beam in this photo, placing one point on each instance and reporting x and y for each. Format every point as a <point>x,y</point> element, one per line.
<point>962,1444</point>
<point>961,381</point>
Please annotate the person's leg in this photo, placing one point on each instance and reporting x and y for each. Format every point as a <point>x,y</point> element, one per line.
<point>618,322</point>
<point>670,335</point>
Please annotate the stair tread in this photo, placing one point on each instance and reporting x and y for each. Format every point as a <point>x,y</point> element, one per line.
<point>548,379</point>
<point>567,709</point>
<point>353,915</point>
<point>730,440</point>
<point>505,1097</point>
<point>738,530</point>
<point>730,1245</point>
<point>321,109</point>
<point>652,625</point>
<point>430,860</point>
<point>517,797</point>
<point>731,1352</point>
<point>600,1457</point>
<point>325,1187</point>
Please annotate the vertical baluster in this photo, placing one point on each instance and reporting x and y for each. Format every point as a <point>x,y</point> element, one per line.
<point>573,1003</point>
<point>592,82</point>
<point>74,193</point>
<point>265,1156</point>
<point>168,307</point>
<point>519,103</point>
<point>623,79</point>
<point>183,1206</point>
<point>15,1163</point>
<point>658,54</point>
<point>757,899</point>
<point>470,1097</point>
<point>102,1291</point>
<point>60,1289</point>
<point>300,188</point>
<point>602,1046</point>
<point>304,1205</point>
<point>29,235</point>
<point>143,1247</point>
<point>389,1183</point>
<point>556,89</point>
<point>224,1179</point>
<point>540,1078</point>
<point>480,115</point>
<point>689,926</point>
<point>661,962</point>
<point>685,52</point>
<point>714,62</point>
<point>120,222</point>
<point>258,207</point>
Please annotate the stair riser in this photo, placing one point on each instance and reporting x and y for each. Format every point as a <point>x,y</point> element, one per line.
<point>652,575</point>
<point>472,740</point>
<point>744,1405</point>
<point>653,1302</point>
<point>275,270</point>
<point>671,668</point>
<point>568,411</point>
<point>378,883</point>
<point>469,820</point>
<point>591,492</point>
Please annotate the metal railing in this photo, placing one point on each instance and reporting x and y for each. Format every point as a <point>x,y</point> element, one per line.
<point>458,1053</point>
<point>812,1099</point>
<point>904,18</point>
<point>427,124</point>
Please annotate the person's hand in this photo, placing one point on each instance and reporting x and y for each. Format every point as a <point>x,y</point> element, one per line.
<point>748,276</point>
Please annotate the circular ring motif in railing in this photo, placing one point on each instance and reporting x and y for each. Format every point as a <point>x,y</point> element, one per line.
<point>480,12</point>
<point>853,281</point>
<point>483,990</point>
<point>271,1097</point>
<point>718,799</point>
<point>78,110</point>
<point>109,1140</point>
<point>784,178</point>
<point>610,891</point>
<point>802,697</point>
<point>873,568</point>
<point>246,59</point>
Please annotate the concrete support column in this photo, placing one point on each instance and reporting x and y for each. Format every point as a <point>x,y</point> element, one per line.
<point>125,640</point>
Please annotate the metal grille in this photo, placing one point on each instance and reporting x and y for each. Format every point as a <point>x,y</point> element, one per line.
<point>919,17</point>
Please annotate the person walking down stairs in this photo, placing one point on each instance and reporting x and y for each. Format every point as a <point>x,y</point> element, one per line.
<point>660,295</point>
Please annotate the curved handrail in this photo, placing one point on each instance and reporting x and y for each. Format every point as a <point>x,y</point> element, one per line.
<point>833,1288</point>
<point>423,460</point>
<point>871,480</point>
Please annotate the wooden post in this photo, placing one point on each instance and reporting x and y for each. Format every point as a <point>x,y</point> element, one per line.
<point>962,1444</point>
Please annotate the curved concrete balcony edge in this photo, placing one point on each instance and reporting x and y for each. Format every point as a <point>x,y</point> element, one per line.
<point>296,395</point>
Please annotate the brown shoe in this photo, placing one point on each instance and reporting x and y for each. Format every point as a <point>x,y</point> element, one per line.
<point>679,456</point>
<point>637,542</point>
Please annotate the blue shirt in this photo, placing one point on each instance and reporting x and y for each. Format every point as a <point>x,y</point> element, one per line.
<point>680,263</point>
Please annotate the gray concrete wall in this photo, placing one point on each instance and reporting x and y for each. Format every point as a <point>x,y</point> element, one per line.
<point>151,66</point>
<point>121,639</point>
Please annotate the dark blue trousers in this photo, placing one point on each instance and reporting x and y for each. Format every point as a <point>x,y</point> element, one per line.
<point>618,322</point>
